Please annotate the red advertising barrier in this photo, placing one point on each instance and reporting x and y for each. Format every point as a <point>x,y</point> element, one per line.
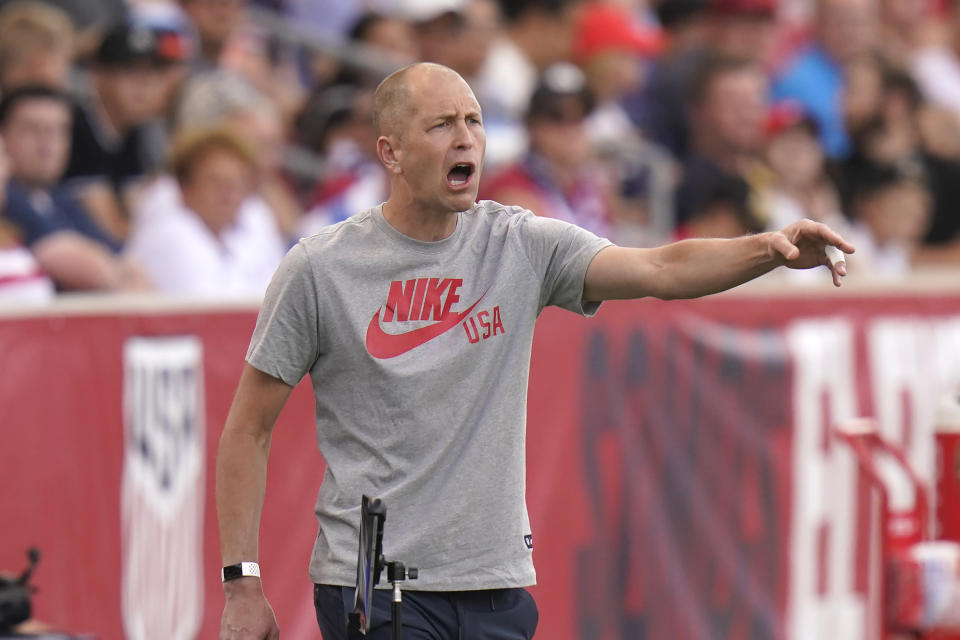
<point>682,479</point>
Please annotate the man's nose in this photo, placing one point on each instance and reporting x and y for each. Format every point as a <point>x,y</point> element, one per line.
<point>462,136</point>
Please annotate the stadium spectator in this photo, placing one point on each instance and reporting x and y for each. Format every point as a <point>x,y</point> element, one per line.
<point>216,21</point>
<point>225,98</point>
<point>907,27</point>
<point>891,213</point>
<point>21,278</point>
<point>68,245</point>
<point>695,31</point>
<point>881,94</point>
<point>659,108</point>
<point>206,242</point>
<point>392,36</point>
<point>799,186</point>
<point>863,91</point>
<point>36,45</point>
<point>936,64</point>
<point>118,138</point>
<point>455,33</point>
<point>744,29</point>
<point>481,26</point>
<point>728,106</point>
<point>231,40</point>
<point>337,123</point>
<point>611,47</point>
<point>389,36</point>
<point>888,133</point>
<point>557,178</point>
<point>843,31</point>
<point>614,49</point>
<point>535,35</point>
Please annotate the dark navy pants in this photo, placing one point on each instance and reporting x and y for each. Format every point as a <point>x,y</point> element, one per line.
<point>493,614</point>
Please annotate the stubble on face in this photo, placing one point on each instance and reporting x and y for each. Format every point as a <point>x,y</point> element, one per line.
<point>429,125</point>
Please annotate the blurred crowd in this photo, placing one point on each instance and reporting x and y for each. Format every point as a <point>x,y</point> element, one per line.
<point>183,146</point>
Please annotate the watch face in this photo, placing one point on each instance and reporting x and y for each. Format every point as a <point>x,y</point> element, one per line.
<point>232,572</point>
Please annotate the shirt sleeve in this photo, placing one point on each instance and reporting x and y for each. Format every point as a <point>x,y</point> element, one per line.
<point>560,254</point>
<point>285,342</point>
<point>29,222</point>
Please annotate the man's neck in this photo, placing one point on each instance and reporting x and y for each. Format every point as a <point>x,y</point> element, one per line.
<point>414,222</point>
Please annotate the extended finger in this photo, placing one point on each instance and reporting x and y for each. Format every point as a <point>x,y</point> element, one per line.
<point>835,239</point>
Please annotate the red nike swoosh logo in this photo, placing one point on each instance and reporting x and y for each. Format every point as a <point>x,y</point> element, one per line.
<point>383,345</point>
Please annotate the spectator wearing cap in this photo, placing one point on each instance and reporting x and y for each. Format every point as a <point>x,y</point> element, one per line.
<point>36,45</point>
<point>118,136</point>
<point>728,105</point>
<point>207,243</point>
<point>744,29</point>
<point>797,186</point>
<point>535,35</point>
<point>68,245</point>
<point>844,30</point>
<point>612,46</point>
<point>558,177</point>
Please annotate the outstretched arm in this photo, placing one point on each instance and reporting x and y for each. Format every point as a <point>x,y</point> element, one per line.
<point>694,268</point>
<point>241,483</point>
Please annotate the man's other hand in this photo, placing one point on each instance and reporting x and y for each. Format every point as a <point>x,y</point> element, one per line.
<point>247,615</point>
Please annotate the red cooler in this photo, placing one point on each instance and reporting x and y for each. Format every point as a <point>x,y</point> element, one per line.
<point>947,513</point>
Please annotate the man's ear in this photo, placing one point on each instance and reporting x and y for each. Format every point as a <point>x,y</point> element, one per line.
<point>388,154</point>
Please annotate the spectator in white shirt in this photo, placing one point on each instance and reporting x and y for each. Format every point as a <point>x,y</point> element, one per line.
<point>204,239</point>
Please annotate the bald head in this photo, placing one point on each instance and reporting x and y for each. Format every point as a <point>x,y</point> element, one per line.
<point>393,103</point>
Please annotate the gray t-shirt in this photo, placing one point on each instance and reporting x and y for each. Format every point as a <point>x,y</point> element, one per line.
<point>419,354</point>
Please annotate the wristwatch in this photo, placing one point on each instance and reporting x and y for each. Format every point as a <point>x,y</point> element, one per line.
<point>240,570</point>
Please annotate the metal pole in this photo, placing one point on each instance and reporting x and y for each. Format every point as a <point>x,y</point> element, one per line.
<point>396,609</point>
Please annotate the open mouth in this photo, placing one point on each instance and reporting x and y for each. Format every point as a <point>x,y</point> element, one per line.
<point>460,174</point>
